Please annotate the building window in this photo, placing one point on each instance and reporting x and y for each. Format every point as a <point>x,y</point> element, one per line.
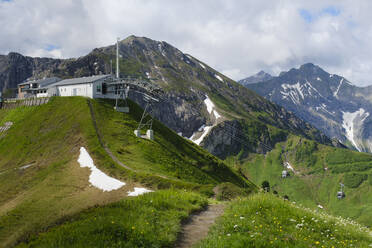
<point>99,88</point>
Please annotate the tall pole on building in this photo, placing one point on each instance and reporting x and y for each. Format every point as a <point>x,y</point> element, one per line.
<point>117,58</point>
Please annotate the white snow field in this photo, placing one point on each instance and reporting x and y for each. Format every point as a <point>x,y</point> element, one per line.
<point>97,178</point>
<point>351,122</point>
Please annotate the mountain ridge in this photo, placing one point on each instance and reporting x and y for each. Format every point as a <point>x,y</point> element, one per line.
<point>187,83</point>
<point>328,101</point>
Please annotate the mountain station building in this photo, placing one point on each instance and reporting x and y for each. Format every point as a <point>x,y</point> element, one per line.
<point>92,87</point>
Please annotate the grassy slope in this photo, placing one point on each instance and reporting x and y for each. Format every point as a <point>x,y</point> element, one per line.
<point>313,184</point>
<point>264,220</point>
<point>54,186</point>
<point>151,220</point>
<point>169,154</point>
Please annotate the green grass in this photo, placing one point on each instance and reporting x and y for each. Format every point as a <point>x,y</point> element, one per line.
<point>49,138</point>
<point>169,154</point>
<point>264,220</point>
<point>320,170</point>
<point>151,220</point>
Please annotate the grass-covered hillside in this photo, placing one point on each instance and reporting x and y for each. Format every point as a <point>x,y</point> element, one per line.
<point>264,220</point>
<point>318,172</point>
<point>42,184</point>
<point>151,220</point>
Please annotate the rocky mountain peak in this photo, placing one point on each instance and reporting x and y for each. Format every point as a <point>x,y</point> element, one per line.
<point>327,101</point>
<point>261,76</point>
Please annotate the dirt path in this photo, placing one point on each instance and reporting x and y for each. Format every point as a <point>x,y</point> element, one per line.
<point>198,226</point>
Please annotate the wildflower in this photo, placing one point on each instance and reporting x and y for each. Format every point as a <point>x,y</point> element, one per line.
<point>228,234</point>
<point>235,226</point>
<point>317,242</point>
<point>133,228</point>
<point>241,217</point>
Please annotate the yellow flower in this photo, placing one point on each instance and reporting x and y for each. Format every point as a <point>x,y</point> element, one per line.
<point>133,228</point>
<point>317,242</point>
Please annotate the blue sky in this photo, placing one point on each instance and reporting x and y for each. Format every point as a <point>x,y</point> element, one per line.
<point>236,37</point>
<point>309,16</point>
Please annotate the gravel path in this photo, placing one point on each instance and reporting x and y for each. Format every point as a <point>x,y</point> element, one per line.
<point>198,226</point>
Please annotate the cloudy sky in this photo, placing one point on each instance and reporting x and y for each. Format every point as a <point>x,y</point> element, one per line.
<point>236,37</point>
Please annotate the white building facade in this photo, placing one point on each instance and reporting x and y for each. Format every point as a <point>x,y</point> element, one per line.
<point>92,87</point>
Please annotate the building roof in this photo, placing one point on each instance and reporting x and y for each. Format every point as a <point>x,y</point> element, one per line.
<point>42,82</point>
<point>81,80</point>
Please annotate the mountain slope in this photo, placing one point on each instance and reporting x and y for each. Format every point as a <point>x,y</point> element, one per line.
<point>316,172</point>
<point>189,85</point>
<point>42,182</point>
<point>329,102</point>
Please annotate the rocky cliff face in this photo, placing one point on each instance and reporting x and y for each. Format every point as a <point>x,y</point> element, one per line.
<point>199,102</point>
<point>329,102</point>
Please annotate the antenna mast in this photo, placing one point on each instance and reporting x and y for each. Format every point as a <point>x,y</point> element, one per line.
<point>117,58</point>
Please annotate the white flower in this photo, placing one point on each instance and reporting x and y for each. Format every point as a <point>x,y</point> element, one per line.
<point>241,217</point>
<point>228,234</point>
<point>235,226</point>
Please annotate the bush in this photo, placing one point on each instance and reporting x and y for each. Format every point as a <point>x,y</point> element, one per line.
<point>229,191</point>
<point>266,186</point>
<point>353,180</point>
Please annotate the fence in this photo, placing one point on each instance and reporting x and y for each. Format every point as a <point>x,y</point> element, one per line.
<point>15,102</point>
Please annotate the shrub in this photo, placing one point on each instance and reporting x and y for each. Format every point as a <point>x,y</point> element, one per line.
<point>266,186</point>
<point>353,180</point>
<point>229,191</point>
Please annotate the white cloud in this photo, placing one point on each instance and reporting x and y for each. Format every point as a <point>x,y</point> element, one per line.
<point>237,37</point>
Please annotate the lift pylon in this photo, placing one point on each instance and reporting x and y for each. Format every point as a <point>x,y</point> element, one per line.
<point>121,104</point>
<point>146,119</point>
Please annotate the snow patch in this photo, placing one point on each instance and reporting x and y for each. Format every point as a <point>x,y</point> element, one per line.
<point>139,191</point>
<point>349,121</point>
<point>218,77</point>
<point>202,65</point>
<point>289,166</point>
<point>205,130</point>
<point>97,178</point>
<point>294,91</point>
<point>338,88</point>
<point>216,114</point>
<point>148,75</point>
<point>312,88</point>
<point>209,104</point>
<point>211,107</point>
